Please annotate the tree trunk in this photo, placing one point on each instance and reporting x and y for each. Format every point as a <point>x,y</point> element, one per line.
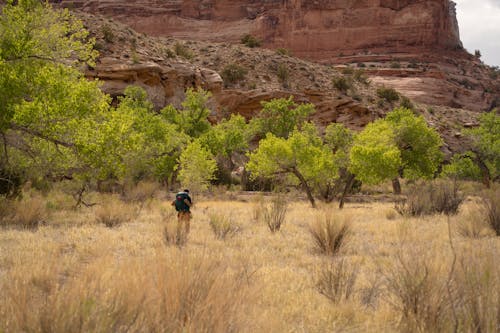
<point>347,188</point>
<point>396,186</point>
<point>305,186</point>
<point>485,172</point>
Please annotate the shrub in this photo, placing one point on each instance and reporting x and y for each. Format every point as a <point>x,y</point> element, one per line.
<point>250,41</point>
<point>336,281</point>
<point>222,225</point>
<point>406,103</point>
<point>388,94</point>
<point>233,73</point>
<point>417,289</point>
<point>274,214</point>
<point>113,213</point>
<point>183,51</point>
<point>491,202</point>
<point>282,51</point>
<point>360,76</point>
<point>395,65</point>
<point>107,33</point>
<point>141,192</point>
<point>348,71</point>
<point>330,233</point>
<point>28,213</point>
<point>431,197</point>
<point>283,73</point>
<point>472,223</point>
<point>341,83</point>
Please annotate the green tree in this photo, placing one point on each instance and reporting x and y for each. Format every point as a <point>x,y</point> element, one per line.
<point>401,145</point>
<point>44,99</point>
<point>281,116</point>
<point>340,140</point>
<point>302,156</point>
<point>192,119</point>
<point>462,166</point>
<point>197,166</point>
<point>486,145</point>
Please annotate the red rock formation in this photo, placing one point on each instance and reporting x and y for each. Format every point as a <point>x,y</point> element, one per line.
<point>321,30</point>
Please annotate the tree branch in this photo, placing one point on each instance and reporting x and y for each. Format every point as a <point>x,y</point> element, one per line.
<point>41,135</point>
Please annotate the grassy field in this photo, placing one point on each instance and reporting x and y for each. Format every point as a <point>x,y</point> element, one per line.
<point>387,273</point>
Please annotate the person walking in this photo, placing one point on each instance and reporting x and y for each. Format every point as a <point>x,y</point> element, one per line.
<point>182,204</point>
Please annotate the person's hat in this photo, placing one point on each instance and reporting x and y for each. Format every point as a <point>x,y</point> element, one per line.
<point>186,190</point>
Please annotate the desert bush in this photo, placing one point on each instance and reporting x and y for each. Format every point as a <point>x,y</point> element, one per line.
<point>274,213</point>
<point>416,288</point>
<point>341,83</point>
<point>330,233</point>
<point>107,33</point>
<point>282,51</point>
<point>360,76</point>
<point>472,222</point>
<point>395,65</point>
<point>388,94</point>
<point>162,293</point>
<point>431,197</point>
<point>233,73</point>
<point>477,290</point>
<point>491,202</point>
<point>141,192</point>
<point>27,213</point>
<point>250,41</point>
<point>406,103</point>
<point>114,213</point>
<point>390,214</point>
<point>222,225</point>
<point>183,51</point>
<point>283,74</point>
<point>336,280</point>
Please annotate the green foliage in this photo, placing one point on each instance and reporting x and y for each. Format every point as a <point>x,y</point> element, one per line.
<point>250,41</point>
<point>229,136</point>
<point>340,140</point>
<point>419,144</point>
<point>197,167</point>
<point>462,166</point>
<point>486,141</point>
<point>374,155</point>
<point>388,94</point>
<point>400,145</point>
<point>281,116</point>
<point>302,155</point>
<point>406,103</point>
<point>192,118</point>
<point>233,73</point>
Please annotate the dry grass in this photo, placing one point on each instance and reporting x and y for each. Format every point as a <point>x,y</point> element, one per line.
<point>222,225</point>
<point>274,213</point>
<point>491,202</point>
<point>27,213</point>
<point>76,275</point>
<point>114,213</point>
<point>330,233</point>
<point>472,222</point>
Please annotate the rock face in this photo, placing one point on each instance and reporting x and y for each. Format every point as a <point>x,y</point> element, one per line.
<point>325,30</point>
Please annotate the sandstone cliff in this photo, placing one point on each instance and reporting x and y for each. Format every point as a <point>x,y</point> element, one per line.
<point>411,45</point>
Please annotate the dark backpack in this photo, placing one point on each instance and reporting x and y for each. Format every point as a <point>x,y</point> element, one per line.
<point>180,205</point>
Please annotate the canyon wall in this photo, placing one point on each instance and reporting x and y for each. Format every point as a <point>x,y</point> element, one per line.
<point>325,30</point>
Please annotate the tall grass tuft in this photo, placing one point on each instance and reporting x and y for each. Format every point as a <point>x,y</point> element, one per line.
<point>431,197</point>
<point>472,222</point>
<point>175,233</point>
<point>27,213</point>
<point>330,233</point>
<point>114,213</point>
<point>222,225</point>
<point>274,214</point>
<point>491,202</point>
<point>164,293</point>
<point>336,280</point>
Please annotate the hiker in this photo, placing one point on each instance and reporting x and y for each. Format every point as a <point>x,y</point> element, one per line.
<point>182,204</point>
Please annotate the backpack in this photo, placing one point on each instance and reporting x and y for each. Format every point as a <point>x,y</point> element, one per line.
<point>180,205</point>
